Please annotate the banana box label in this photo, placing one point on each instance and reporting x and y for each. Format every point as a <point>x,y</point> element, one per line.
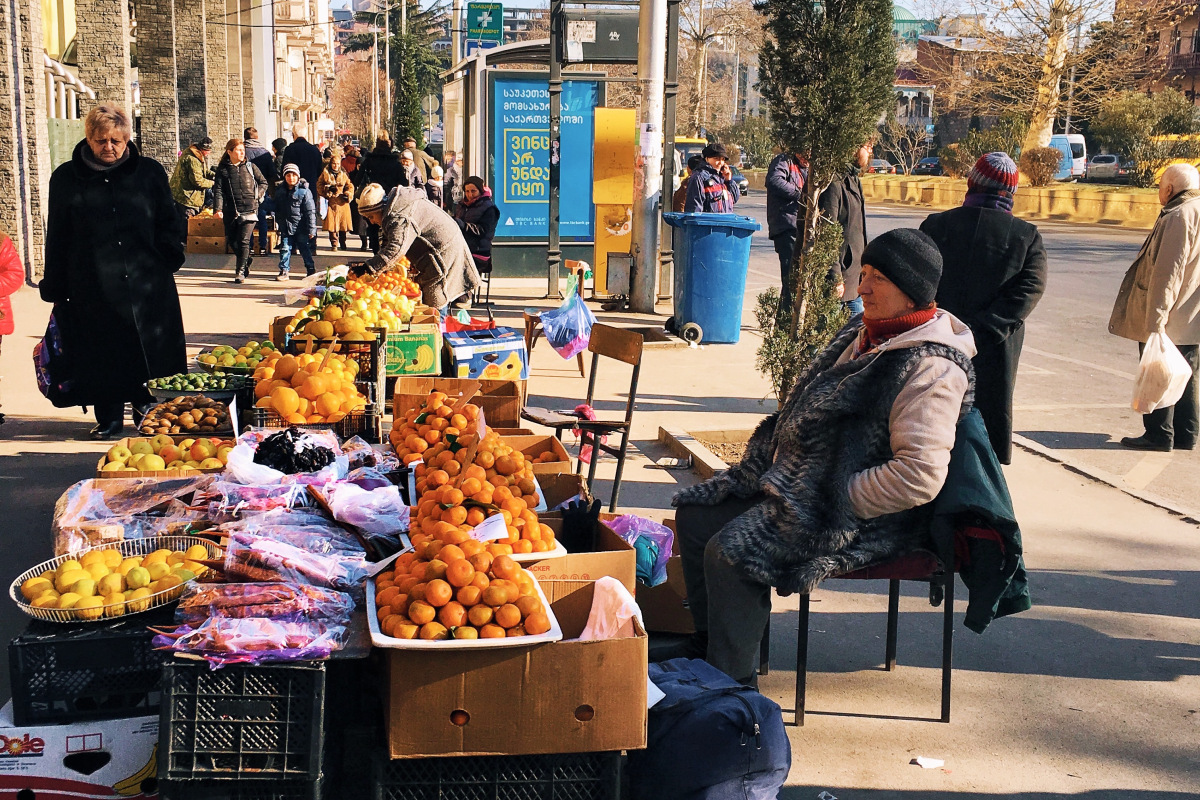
<point>112,759</point>
<point>417,350</point>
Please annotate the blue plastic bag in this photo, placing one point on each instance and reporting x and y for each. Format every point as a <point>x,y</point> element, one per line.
<point>568,328</point>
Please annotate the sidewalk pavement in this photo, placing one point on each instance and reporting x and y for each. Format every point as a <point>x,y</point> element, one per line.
<point>1093,692</point>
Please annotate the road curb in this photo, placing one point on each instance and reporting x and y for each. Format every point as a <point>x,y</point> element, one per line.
<point>705,462</point>
<point>1107,478</point>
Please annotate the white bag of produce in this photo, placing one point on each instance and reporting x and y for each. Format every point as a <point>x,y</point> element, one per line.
<point>1162,375</point>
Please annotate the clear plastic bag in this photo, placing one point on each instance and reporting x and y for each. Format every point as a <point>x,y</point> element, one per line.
<point>254,640</point>
<point>568,328</point>
<point>265,558</point>
<point>93,512</point>
<point>630,527</point>
<point>375,512</point>
<point>1162,375</point>
<point>288,602</point>
<point>241,467</point>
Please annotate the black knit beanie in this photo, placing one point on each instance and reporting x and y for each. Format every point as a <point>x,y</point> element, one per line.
<point>909,259</point>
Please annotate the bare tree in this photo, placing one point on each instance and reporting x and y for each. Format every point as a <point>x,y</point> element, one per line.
<point>353,96</point>
<point>904,143</point>
<point>704,24</point>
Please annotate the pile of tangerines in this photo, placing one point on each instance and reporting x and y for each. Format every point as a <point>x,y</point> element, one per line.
<point>458,591</point>
<point>308,388</point>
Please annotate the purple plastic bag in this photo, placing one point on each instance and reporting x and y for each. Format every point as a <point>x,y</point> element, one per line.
<point>630,526</point>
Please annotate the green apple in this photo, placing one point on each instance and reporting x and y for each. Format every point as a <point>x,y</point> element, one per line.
<point>138,578</point>
<point>119,452</point>
<point>142,446</point>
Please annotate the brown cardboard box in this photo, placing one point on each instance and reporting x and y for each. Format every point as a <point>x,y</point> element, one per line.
<point>278,333</point>
<point>210,245</point>
<point>558,697</point>
<point>206,226</point>
<point>512,431</point>
<point>663,609</point>
<point>614,558</point>
<point>560,486</point>
<point>533,446</point>
<point>500,400</point>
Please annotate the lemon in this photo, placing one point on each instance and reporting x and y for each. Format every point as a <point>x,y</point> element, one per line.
<point>89,608</point>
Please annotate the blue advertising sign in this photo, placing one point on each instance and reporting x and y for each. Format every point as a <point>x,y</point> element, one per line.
<point>520,147</point>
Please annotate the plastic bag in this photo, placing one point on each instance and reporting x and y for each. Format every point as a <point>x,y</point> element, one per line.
<point>568,328</point>
<point>359,454</point>
<point>94,512</point>
<point>375,512</point>
<point>254,641</point>
<point>229,500</point>
<point>613,612</point>
<point>288,602</point>
<point>630,527</point>
<point>261,557</point>
<point>241,467</point>
<point>1162,375</point>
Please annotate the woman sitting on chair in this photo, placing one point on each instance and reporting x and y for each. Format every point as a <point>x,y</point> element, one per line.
<point>477,217</point>
<point>833,481</point>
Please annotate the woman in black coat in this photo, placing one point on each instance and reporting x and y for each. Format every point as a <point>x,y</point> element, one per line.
<point>477,217</point>
<point>113,245</point>
<point>993,275</point>
<point>238,188</point>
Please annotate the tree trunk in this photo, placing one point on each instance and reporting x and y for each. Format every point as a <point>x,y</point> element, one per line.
<point>800,256</point>
<point>698,66</point>
<point>1049,87</point>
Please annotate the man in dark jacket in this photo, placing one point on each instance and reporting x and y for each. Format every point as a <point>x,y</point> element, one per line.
<point>421,160</point>
<point>842,203</point>
<point>304,155</point>
<point>785,198</point>
<point>260,156</point>
<point>994,273</point>
<point>296,215</point>
<point>382,167</point>
<point>712,189</point>
<point>679,199</point>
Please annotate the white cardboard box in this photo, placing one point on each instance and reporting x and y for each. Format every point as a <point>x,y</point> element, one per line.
<point>102,759</point>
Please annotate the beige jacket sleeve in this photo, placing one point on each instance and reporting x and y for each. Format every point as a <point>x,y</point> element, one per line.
<point>923,423</point>
<point>1176,251</point>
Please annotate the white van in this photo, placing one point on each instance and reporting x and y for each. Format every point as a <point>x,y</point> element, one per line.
<point>1074,150</point>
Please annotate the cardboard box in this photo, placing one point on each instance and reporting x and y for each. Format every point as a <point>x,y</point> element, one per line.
<point>417,348</point>
<point>496,354</point>
<point>277,334</point>
<point>557,697</point>
<point>227,436</point>
<point>210,245</point>
<point>613,558</point>
<point>664,608</point>
<point>500,400</point>
<point>87,759</point>
<point>534,446</point>
<point>558,487</point>
<point>206,225</point>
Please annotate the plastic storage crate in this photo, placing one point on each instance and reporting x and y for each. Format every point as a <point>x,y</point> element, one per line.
<point>66,673</point>
<point>241,722</point>
<point>367,423</point>
<point>370,356</point>
<point>568,776</point>
<point>240,790</point>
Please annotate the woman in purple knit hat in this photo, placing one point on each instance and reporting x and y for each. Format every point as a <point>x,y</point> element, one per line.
<point>993,274</point>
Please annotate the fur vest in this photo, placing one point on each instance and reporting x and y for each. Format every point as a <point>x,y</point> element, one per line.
<point>834,424</point>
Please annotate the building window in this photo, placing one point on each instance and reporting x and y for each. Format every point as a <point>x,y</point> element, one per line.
<point>1196,40</point>
<point>1176,42</point>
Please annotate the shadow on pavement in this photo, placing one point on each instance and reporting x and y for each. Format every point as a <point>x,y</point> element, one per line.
<point>811,792</point>
<point>1072,440</point>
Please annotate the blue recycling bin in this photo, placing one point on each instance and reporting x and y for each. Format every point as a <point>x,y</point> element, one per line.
<point>712,255</point>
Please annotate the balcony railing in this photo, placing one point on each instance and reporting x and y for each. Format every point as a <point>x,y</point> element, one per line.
<point>1183,62</point>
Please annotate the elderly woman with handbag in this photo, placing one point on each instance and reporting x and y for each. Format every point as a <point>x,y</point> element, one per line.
<point>335,186</point>
<point>113,245</point>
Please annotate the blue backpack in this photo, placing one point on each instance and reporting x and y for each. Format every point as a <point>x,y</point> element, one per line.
<point>710,738</point>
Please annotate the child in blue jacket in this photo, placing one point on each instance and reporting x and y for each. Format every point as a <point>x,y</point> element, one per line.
<point>296,216</point>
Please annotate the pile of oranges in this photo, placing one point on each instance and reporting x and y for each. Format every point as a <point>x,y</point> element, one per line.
<point>395,281</point>
<point>302,391</point>
<point>460,590</point>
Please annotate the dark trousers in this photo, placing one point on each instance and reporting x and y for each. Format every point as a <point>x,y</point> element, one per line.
<point>729,608</point>
<point>238,235</point>
<point>785,247</point>
<point>185,213</point>
<point>1178,424</point>
<point>373,237</point>
<point>110,411</point>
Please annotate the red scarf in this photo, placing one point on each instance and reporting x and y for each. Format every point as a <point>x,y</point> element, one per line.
<point>878,331</point>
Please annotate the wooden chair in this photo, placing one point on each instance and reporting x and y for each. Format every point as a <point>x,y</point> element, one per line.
<point>921,566</point>
<point>533,317</point>
<point>608,342</point>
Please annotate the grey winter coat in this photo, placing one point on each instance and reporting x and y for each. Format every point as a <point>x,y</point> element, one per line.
<point>439,259</point>
<point>862,442</point>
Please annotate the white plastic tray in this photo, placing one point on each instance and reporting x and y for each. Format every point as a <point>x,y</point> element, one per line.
<point>558,552</point>
<point>379,640</point>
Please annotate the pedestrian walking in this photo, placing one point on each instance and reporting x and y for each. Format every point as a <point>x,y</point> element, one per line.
<point>191,180</point>
<point>278,146</point>
<point>712,189</point>
<point>439,260</point>
<point>842,202</point>
<point>410,175</point>
<point>835,479</point>
<point>335,187</point>
<point>258,155</point>
<point>785,198</point>
<point>238,189</point>
<point>12,276</point>
<point>421,160</point>
<point>112,247</point>
<point>381,167</point>
<point>433,189</point>
<point>296,216</point>
<point>1161,294</point>
<point>304,154</point>
<point>993,275</point>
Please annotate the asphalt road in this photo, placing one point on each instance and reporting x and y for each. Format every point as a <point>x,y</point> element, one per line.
<point>1076,380</point>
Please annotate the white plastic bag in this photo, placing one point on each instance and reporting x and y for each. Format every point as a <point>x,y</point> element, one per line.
<point>613,611</point>
<point>1162,375</point>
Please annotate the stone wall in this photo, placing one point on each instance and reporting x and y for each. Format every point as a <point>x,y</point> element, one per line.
<point>216,73</point>
<point>191,70</point>
<point>102,37</point>
<point>157,80</point>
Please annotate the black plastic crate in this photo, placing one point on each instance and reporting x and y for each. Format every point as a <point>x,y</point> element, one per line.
<point>241,722</point>
<point>370,356</point>
<point>71,673</point>
<point>367,423</point>
<point>240,790</point>
<point>567,776</point>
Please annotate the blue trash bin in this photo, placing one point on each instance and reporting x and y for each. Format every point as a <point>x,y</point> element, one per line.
<point>712,255</point>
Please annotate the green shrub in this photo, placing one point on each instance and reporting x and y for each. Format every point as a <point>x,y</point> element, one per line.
<point>1040,165</point>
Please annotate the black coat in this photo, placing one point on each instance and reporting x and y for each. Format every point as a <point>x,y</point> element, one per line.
<point>842,202</point>
<point>307,157</point>
<point>113,244</point>
<point>238,190</point>
<point>785,194</point>
<point>296,210</point>
<point>477,222</point>
<point>993,274</point>
<point>383,167</point>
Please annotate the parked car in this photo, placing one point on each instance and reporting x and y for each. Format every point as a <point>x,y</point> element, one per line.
<point>880,167</point>
<point>1108,167</point>
<point>740,180</point>
<point>929,166</point>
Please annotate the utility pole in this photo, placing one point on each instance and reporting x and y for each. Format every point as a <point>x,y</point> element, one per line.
<point>647,204</point>
<point>456,33</point>
<point>553,244</point>
<point>1071,84</point>
<point>387,57</point>
<point>375,81</point>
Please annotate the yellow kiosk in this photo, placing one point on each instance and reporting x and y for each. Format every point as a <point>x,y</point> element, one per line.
<point>613,161</point>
